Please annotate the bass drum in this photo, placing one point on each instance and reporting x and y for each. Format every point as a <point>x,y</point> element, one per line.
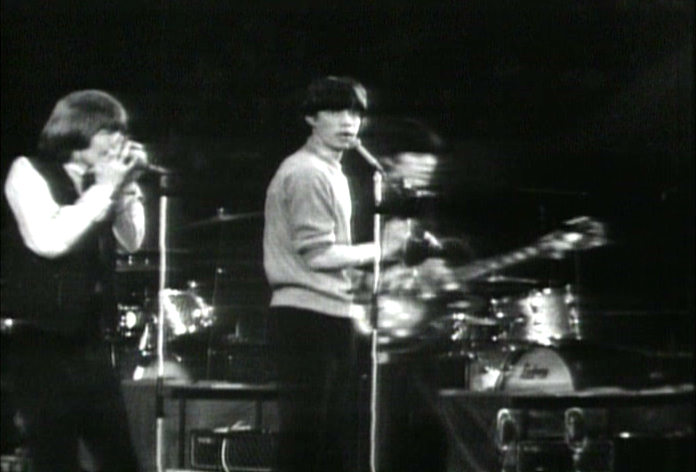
<point>577,367</point>
<point>186,357</point>
<point>539,370</point>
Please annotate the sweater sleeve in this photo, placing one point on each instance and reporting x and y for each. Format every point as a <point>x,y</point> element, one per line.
<point>309,201</point>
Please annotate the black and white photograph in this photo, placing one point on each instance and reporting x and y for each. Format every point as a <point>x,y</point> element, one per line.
<point>360,236</point>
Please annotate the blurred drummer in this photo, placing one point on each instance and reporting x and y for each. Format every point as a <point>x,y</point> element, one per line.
<point>73,204</point>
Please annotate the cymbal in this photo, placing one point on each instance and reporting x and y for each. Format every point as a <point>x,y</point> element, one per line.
<point>146,260</point>
<point>222,217</point>
<point>470,319</point>
<point>141,266</point>
<point>553,192</point>
<point>469,303</point>
<point>154,252</point>
<point>496,285</point>
<point>503,279</point>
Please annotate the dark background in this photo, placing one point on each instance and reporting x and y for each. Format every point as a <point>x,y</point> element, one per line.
<point>548,110</point>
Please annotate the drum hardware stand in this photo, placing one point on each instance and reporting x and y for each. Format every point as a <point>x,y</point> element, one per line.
<point>219,272</point>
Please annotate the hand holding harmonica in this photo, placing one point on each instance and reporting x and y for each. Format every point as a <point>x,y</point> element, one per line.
<point>120,164</point>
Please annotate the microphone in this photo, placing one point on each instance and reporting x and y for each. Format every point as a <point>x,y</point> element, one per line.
<point>154,168</point>
<point>372,160</point>
<point>137,151</point>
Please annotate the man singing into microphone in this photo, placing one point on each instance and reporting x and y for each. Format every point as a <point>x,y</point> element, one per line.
<point>307,253</point>
<point>73,204</point>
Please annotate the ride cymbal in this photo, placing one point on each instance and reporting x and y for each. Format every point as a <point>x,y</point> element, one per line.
<point>222,217</point>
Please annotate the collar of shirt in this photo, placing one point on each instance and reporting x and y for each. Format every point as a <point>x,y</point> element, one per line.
<point>76,172</point>
<point>329,155</point>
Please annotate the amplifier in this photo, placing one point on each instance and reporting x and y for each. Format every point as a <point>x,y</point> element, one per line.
<point>598,430</point>
<point>237,451</point>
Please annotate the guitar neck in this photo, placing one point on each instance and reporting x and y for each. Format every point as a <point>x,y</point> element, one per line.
<point>484,267</point>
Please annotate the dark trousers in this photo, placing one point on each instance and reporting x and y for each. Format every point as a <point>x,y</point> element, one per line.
<point>321,419</point>
<point>65,390</point>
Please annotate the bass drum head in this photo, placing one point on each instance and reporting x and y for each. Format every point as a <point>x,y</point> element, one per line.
<point>580,366</point>
<point>539,369</point>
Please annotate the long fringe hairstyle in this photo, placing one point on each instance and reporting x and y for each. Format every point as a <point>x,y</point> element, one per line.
<point>75,119</point>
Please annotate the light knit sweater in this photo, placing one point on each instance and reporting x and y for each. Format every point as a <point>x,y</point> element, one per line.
<point>308,204</point>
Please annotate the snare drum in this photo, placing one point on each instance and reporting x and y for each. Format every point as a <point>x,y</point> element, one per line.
<point>544,317</point>
<point>185,312</point>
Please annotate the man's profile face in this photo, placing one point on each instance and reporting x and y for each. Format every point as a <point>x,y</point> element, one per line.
<point>104,145</point>
<point>336,129</point>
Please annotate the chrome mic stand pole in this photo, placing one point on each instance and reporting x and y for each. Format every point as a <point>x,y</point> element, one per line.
<point>374,309</point>
<point>159,400</point>
<point>374,320</point>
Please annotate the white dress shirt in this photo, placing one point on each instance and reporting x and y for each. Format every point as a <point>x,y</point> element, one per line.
<point>51,230</point>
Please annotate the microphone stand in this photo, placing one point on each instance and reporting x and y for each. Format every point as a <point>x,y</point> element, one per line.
<point>374,318</point>
<point>374,309</point>
<point>167,181</point>
<point>159,389</point>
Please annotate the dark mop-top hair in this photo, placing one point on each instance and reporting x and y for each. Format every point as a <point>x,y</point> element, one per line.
<point>75,119</point>
<point>334,93</point>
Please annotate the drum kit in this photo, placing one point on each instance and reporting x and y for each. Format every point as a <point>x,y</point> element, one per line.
<point>188,319</point>
<point>541,340</point>
<point>505,333</point>
<point>189,314</point>
<point>492,336</point>
<point>511,333</point>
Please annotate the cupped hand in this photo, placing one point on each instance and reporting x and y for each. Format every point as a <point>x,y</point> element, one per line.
<point>121,166</point>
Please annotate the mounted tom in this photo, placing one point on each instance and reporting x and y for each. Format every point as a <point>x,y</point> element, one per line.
<point>542,315</point>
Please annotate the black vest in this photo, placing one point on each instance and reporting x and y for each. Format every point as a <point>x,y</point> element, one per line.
<point>70,295</point>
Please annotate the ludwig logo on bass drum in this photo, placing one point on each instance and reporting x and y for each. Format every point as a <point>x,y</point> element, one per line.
<point>533,371</point>
<point>538,369</point>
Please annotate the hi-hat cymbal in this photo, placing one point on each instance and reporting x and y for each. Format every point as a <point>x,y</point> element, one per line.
<point>223,217</point>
